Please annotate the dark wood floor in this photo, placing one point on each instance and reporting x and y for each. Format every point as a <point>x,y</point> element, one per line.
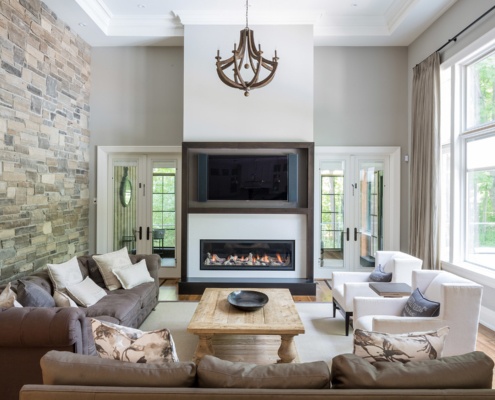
<point>485,342</point>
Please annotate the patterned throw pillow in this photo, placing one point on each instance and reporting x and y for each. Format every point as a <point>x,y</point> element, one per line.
<point>107,262</point>
<point>403,347</point>
<point>132,345</point>
<point>419,306</point>
<point>379,275</point>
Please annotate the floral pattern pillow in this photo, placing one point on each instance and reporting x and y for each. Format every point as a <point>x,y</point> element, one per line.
<point>133,345</point>
<point>404,347</point>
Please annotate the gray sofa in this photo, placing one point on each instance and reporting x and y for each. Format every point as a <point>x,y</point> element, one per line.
<point>28,333</point>
<point>80,377</point>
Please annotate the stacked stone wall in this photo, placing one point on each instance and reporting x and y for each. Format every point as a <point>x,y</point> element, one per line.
<point>45,81</point>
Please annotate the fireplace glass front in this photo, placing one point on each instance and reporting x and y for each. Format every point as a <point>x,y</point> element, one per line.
<point>264,255</point>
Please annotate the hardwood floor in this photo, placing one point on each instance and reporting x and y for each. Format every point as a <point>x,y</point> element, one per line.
<point>168,292</point>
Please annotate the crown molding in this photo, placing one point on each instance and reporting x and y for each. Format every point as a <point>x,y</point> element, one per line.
<point>278,17</point>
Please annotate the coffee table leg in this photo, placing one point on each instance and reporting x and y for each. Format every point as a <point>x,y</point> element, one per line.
<point>205,347</point>
<point>287,351</point>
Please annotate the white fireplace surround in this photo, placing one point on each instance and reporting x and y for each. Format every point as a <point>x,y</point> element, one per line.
<point>246,227</point>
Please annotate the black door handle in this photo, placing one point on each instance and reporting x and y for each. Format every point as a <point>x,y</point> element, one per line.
<point>347,234</point>
<point>355,234</point>
<point>148,233</point>
<point>140,232</point>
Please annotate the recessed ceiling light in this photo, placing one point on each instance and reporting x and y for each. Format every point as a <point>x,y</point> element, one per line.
<point>82,24</point>
<point>141,6</point>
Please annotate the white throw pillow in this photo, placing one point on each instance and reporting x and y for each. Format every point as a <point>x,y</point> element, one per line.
<point>86,293</point>
<point>8,298</point>
<point>65,274</point>
<point>62,300</point>
<point>133,275</point>
<point>132,345</point>
<point>399,347</point>
<point>107,262</point>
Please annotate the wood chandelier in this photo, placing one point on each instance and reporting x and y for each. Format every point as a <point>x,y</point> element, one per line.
<point>248,57</point>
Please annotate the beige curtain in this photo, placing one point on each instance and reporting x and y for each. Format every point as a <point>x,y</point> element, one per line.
<point>425,163</point>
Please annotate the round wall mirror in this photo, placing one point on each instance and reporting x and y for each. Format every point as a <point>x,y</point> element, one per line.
<point>125,189</point>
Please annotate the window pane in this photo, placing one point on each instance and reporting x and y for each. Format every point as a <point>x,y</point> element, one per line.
<point>480,100</point>
<point>480,202</point>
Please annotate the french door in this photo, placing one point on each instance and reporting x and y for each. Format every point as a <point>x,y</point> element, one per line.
<point>138,206</point>
<point>356,206</point>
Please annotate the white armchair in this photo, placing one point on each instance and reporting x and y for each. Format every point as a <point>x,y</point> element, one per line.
<point>460,305</point>
<point>347,285</point>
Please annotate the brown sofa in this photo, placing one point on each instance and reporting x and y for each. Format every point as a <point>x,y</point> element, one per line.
<point>27,333</point>
<point>80,377</point>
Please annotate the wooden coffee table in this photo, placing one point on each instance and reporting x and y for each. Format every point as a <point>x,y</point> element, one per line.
<point>214,315</point>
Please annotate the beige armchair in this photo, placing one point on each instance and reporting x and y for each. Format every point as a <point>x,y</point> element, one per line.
<point>460,305</point>
<point>348,285</point>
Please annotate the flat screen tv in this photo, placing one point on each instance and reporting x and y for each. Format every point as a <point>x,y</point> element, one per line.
<point>247,177</point>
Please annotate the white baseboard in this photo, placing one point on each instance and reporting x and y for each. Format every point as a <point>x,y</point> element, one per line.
<point>487,318</point>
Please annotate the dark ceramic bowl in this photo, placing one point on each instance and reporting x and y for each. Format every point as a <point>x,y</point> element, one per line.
<point>247,300</point>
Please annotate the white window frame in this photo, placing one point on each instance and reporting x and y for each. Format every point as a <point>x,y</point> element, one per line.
<point>459,135</point>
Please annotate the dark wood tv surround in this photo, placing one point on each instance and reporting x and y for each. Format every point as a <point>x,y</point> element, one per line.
<point>304,206</point>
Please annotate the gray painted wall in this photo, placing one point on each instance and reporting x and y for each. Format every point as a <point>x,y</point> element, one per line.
<point>137,97</point>
<point>361,100</point>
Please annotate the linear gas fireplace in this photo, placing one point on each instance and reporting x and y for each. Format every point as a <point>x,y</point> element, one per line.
<point>266,255</point>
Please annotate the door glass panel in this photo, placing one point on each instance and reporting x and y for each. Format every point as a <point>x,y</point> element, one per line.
<point>332,213</point>
<point>370,211</point>
<point>124,205</point>
<point>163,212</point>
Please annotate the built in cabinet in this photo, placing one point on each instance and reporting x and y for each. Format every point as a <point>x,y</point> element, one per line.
<point>242,179</point>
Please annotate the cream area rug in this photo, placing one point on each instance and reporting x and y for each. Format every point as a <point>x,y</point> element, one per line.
<point>324,338</point>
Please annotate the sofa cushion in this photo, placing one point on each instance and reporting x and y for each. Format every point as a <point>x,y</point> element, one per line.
<point>144,292</point>
<point>107,262</point>
<point>65,368</point>
<point>419,306</point>
<point>65,274</point>
<point>133,275</point>
<point>216,373</point>
<point>30,294</point>
<point>133,345</point>
<point>379,275</point>
<point>86,293</point>
<point>399,347</point>
<point>124,309</point>
<point>467,371</point>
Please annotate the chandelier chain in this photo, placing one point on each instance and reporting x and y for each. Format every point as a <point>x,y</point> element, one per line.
<point>247,5</point>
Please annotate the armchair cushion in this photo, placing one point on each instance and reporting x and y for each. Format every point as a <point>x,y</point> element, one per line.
<point>376,346</point>
<point>467,371</point>
<point>379,275</point>
<point>419,306</point>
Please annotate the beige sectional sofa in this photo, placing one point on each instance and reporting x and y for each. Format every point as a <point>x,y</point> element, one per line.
<point>27,333</point>
<point>80,377</point>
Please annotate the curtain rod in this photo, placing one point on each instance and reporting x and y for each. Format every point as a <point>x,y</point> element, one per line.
<point>465,29</point>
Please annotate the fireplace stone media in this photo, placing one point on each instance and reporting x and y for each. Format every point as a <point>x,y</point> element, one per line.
<point>243,255</point>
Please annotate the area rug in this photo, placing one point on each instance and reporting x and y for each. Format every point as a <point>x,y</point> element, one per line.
<point>324,338</point>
